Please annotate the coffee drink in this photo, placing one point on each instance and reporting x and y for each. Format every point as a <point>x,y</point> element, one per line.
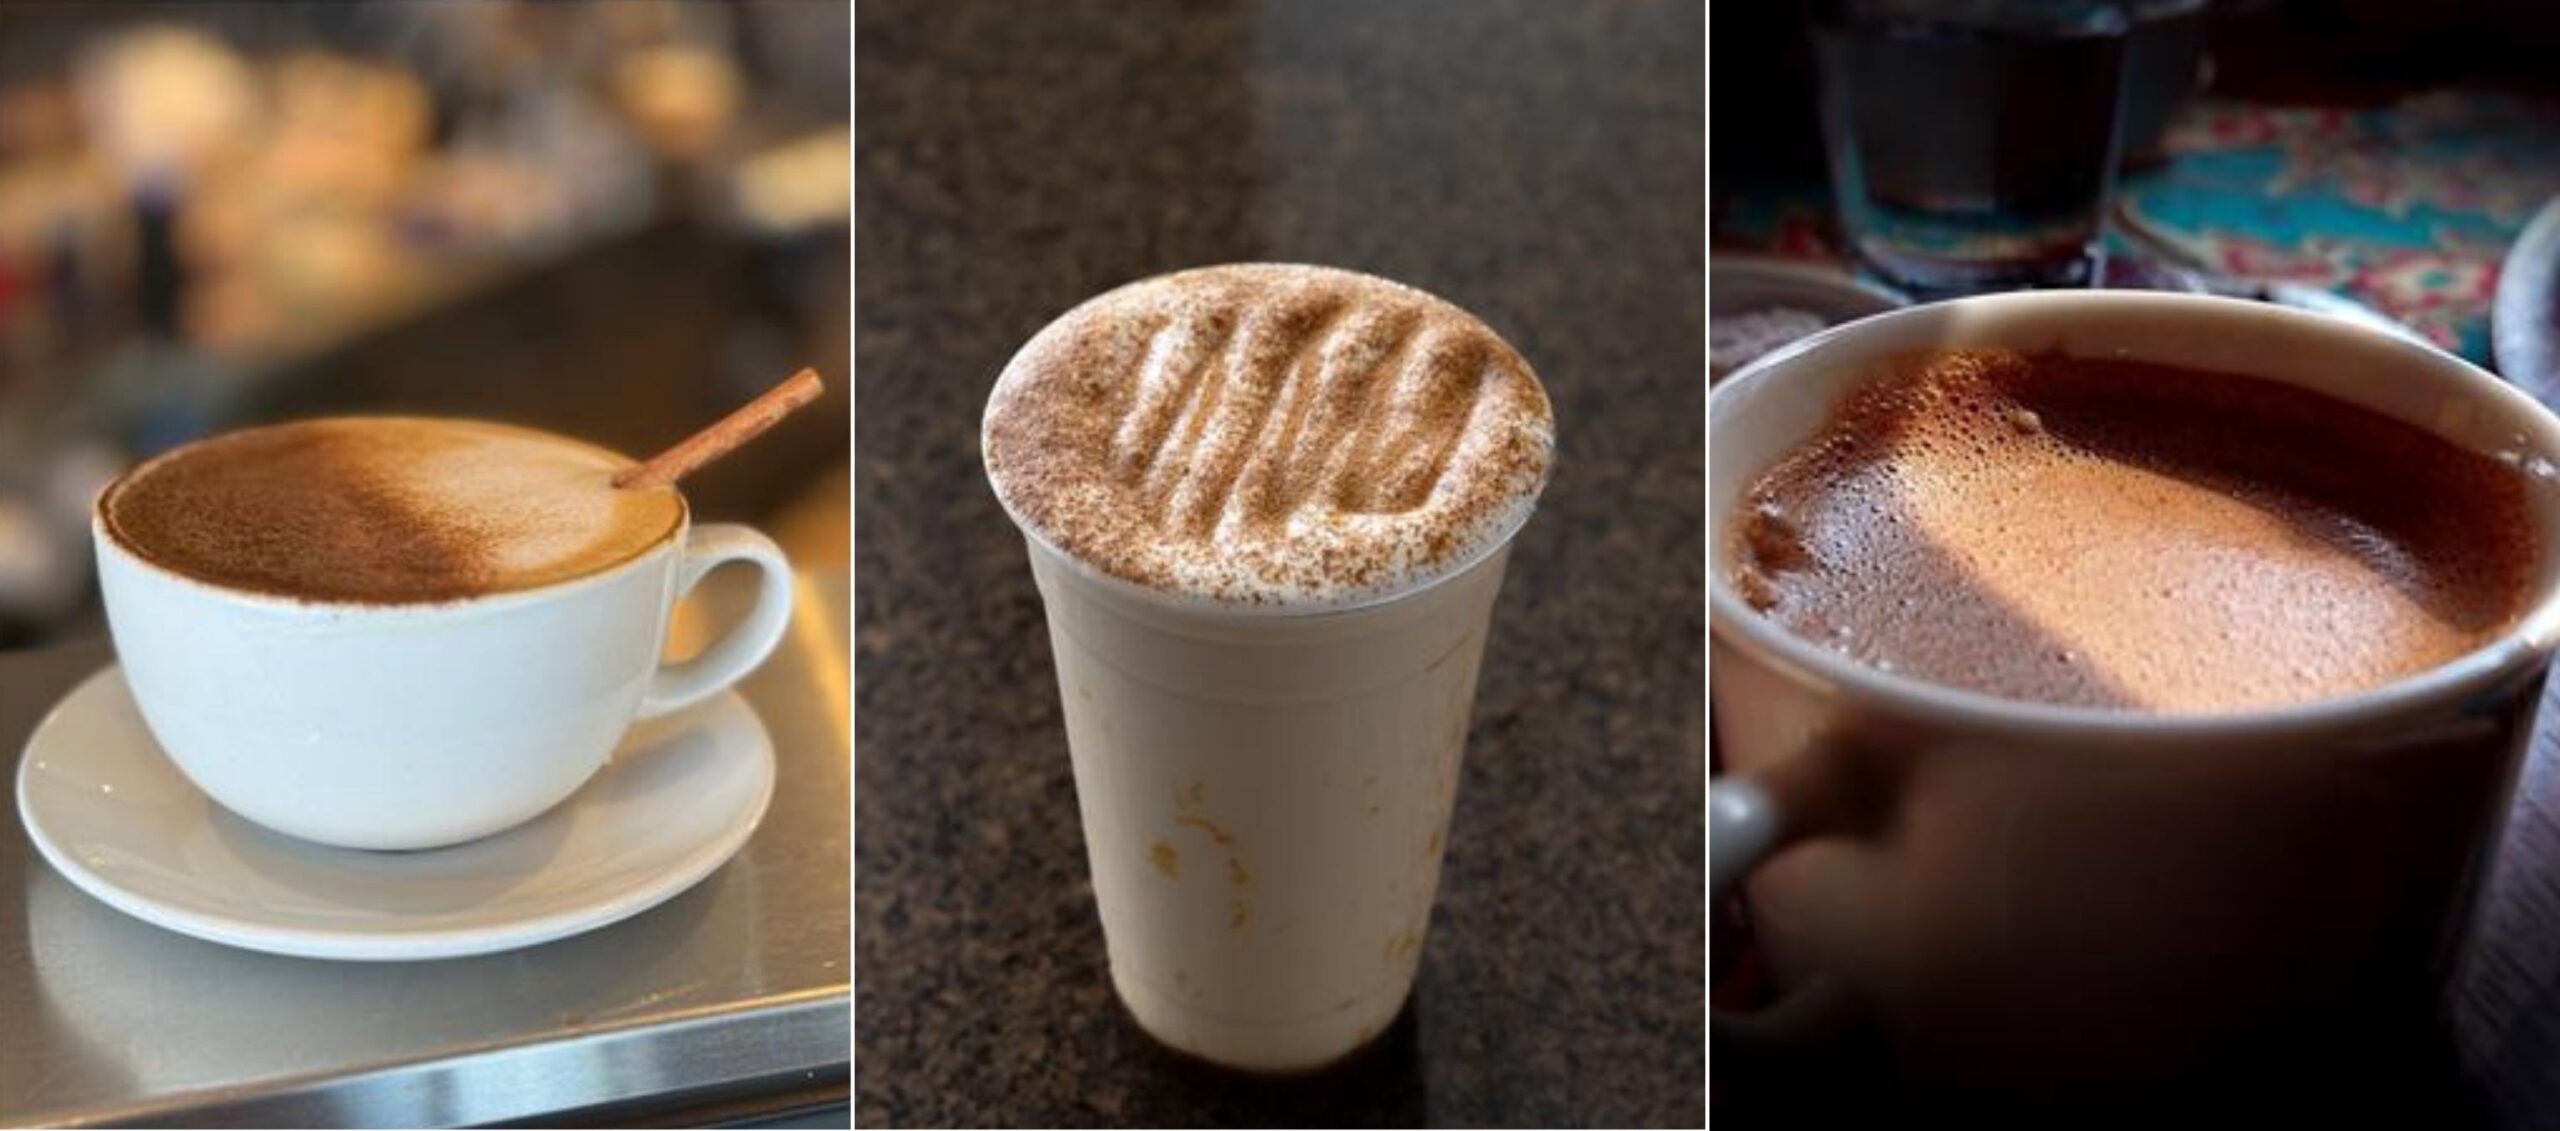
<point>293,610</point>
<point>1268,509</point>
<point>1268,434</point>
<point>2112,533</point>
<point>386,510</point>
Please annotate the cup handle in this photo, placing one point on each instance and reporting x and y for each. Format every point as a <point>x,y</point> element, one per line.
<point>677,686</point>
<point>1744,827</point>
<point>1749,819</point>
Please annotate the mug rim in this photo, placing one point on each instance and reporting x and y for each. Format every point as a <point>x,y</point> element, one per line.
<point>106,538</point>
<point>2530,639</point>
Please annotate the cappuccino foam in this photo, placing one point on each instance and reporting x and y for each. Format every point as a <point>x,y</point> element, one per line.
<point>2119,534</point>
<point>1269,434</point>
<point>386,510</point>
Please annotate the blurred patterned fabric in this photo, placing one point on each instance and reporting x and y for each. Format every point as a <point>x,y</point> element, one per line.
<point>2407,208</point>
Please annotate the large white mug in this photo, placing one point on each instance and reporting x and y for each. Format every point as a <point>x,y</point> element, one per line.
<point>2032,901</point>
<point>406,726</point>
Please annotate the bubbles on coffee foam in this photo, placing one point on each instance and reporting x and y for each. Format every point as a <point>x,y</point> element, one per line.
<point>2534,466</point>
<point>1960,435</point>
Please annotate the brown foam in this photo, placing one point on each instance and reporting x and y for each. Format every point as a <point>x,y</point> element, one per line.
<point>386,510</point>
<point>2118,534</point>
<point>1264,433</point>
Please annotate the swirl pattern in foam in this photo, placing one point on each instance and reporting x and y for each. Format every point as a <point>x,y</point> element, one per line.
<point>386,510</point>
<point>1261,434</point>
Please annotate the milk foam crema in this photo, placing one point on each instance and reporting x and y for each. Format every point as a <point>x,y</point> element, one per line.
<point>2119,534</point>
<point>386,510</point>
<point>1263,434</point>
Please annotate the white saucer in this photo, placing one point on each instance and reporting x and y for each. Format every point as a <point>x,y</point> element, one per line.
<point>113,815</point>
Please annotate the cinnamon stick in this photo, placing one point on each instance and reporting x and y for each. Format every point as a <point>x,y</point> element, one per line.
<point>751,419</point>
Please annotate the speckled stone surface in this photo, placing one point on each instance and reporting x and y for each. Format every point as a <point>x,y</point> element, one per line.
<point>1541,164</point>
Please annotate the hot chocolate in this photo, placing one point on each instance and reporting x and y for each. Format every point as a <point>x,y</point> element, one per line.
<point>2120,534</point>
<point>1266,795</point>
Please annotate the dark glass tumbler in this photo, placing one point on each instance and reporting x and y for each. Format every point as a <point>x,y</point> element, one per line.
<point>1972,143</point>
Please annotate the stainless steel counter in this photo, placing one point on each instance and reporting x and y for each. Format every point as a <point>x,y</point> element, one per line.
<point>731,998</point>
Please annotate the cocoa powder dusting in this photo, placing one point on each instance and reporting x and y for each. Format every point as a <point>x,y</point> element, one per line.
<point>1263,434</point>
<point>385,510</point>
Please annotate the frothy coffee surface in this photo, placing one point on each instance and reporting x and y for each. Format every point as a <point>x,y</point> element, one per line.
<point>1268,434</point>
<point>386,510</point>
<point>2118,534</point>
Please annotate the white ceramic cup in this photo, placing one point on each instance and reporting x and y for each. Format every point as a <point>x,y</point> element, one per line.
<point>2029,899</point>
<point>410,726</point>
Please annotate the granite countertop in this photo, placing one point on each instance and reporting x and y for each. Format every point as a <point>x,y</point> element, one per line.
<point>1540,164</point>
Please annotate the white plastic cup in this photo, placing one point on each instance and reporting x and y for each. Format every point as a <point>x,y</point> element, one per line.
<point>1266,798</point>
